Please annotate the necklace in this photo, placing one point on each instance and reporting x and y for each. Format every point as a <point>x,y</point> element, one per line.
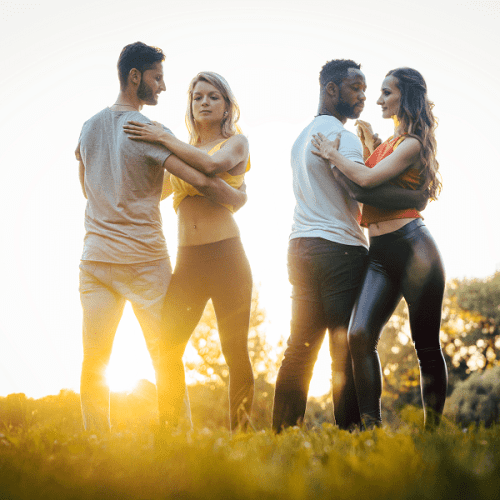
<point>120,104</point>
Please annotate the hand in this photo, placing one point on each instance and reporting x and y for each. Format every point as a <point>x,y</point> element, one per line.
<point>242,202</point>
<point>424,200</point>
<point>368,138</point>
<point>144,132</point>
<point>326,149</point>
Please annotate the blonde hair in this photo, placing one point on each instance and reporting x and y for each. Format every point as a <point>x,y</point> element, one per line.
<point>417,120</point>
<point>228,124</point>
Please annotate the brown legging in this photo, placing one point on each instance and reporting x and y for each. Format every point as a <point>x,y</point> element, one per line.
<point>217,271</point>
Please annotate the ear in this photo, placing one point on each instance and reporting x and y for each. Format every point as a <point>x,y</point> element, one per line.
<point>332,89</point>
<point>134,76</point>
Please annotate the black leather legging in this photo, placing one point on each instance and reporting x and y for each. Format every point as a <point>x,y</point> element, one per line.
<point>405,263</point>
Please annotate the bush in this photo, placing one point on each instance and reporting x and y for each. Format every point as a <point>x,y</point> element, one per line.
<point>476,400</point>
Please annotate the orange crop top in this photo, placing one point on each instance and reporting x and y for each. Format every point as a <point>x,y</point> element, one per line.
<point>181,188</point>
<point>409,179</point>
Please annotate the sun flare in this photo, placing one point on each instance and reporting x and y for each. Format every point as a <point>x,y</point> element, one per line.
<point>130,360</point>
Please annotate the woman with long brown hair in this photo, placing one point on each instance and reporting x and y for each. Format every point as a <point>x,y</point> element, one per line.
<point>404,260</point>
<point>211,262</point>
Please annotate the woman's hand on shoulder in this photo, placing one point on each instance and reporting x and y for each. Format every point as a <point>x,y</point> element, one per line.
<point>153,132</point>
<point>325,148</point>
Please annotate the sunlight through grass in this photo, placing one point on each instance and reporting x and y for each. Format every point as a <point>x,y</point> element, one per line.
<point>45,455</point>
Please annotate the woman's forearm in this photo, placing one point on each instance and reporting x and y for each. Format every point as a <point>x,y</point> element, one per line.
<point>356,172</point>
<point>192,156</point>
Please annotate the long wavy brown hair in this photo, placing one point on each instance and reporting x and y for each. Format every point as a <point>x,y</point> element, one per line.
<point>228,124</point>
<point>417,120</point>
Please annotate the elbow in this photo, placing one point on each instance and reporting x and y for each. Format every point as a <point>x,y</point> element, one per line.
<point>204,185</point>
<point>214,167</point>
<point>359,196</point>
<point>210,171</point>
<point>365,183</point>
<point>207,167</point>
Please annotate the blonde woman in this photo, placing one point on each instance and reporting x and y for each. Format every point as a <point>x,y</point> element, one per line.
<point>211,262</point>
<point>404,260</point>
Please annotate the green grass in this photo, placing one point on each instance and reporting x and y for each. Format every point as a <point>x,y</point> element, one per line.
<point>49,460</point>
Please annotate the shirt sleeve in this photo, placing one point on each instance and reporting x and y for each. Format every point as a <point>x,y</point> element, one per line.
<point>156,153</point>
<point>78,153</point>
<point>350,147</point>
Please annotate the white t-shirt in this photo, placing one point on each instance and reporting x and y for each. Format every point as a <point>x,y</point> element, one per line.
<point>323,207</point>
<point>123,182</point>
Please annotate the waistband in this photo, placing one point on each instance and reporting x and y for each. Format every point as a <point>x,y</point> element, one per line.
<point>296,244</point>
<point>210,251</point>
<point>395,235</point>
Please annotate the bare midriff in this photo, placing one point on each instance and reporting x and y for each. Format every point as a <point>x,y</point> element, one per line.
<point>202,221</point>
<point>387,226</point>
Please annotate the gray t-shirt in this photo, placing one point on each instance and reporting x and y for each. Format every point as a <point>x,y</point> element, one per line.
<point>123,181</point>
<point>323,207</point>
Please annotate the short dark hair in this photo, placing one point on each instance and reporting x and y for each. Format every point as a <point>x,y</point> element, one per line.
<point>137,55</point>
<point>336,70</point>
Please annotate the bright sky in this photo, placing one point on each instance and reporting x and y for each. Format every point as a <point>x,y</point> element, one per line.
<point>58,63</point>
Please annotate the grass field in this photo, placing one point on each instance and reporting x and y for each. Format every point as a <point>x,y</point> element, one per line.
<point>55,460</point>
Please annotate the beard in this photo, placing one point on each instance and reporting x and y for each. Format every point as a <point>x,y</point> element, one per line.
<point>348,110</point>
<point>145,93</point>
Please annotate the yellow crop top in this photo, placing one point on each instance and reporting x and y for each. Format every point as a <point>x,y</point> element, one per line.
<point>181,188</point>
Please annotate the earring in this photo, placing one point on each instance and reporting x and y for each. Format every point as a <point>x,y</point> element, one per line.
<point>225,113</point>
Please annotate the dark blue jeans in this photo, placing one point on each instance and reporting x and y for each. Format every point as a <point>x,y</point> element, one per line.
<point>325,277</point>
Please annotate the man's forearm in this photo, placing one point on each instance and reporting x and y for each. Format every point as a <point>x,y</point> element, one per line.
<point>194,157</point>
<point>221,192</point>
<point>385,196</point>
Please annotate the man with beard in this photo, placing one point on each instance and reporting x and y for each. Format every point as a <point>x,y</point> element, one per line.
<point>327,250</point>
<point>125,255</point>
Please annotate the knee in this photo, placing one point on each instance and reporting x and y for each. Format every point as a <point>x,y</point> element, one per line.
<point>95,360</point>
<point>429,355</point>
<point>299,358</point>
<point>171,355</point>
<point>237,359</point>
<point>93,369</point>
<point>359,343</point>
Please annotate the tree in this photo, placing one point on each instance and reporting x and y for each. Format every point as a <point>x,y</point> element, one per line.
<point>471,328</point>
<point>482,297</point>
<point>476,400</point>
